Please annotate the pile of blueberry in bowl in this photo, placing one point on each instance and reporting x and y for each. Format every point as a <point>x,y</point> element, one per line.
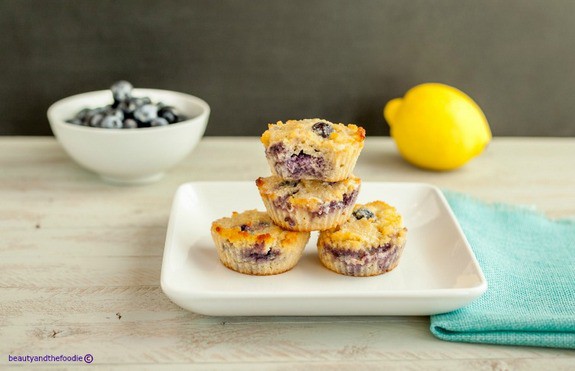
<point>127,111</point>
<point>92,129</point>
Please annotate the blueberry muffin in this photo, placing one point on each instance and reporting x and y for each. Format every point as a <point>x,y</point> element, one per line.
<point>368,244</point>
<point>312,149</point>
<point>308,205</point>
<point>251,243</point>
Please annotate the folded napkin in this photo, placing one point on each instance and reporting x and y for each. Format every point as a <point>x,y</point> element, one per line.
<point>529,263</point>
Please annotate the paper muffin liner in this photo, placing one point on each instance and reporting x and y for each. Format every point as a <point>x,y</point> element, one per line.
<point>343,164</point>
<point>385,263</point>
<point>232,257</point>
<point>339,166</point>
<point>302,219</point>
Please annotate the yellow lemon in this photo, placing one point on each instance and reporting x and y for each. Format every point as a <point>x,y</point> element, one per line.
<point>437,127</point>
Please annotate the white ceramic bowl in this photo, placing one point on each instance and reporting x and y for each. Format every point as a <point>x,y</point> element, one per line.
<point>129,156</point>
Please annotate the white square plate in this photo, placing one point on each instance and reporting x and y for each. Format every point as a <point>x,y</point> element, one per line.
<point>437,272</point>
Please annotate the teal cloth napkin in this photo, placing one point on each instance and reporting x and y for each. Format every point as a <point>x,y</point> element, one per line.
<point>529,263</point>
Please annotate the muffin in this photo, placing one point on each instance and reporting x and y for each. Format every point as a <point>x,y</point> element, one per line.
<point>308,205</point>
<point>369,243</point>
<point>312,149</point>
<point>251,243</point>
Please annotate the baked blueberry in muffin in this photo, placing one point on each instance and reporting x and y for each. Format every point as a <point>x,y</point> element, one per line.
<point>308,205</point>
<point>312,149</point>
<point>251,243</point>
<point>369,243</point>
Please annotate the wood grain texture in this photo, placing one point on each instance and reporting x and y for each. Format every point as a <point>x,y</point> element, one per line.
<point>80,265</point>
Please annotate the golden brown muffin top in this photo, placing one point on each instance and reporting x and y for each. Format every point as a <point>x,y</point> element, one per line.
<point>253,227</point>
<point>370,225</point>
<point>317,133</point>
<point>306,193</point>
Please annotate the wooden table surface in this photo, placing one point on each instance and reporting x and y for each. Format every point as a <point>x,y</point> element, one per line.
<point>80,265</point>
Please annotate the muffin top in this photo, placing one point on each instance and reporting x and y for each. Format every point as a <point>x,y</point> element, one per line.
<point>316,133</point>
<point>306,193</point>
<point>370,225</point>
<point>254,227</point>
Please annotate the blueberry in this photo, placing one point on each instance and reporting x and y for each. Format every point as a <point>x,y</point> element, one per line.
<point>122,91</point>
<point>127,111</point>
<point>91,113</point>
<point>96,119</point>
<point>127,106</point>
<point>290,221</point>
<point>323,129</point>
<point>83,114</point>
<point>276,149</point>
<point>146,113</point>
<point>169,113</point>
<point>140,101</point>
<point>130,124</point>
<point>289,183</point>
<point>115,112</point>
<point>159,121</point>
<point>262,225</point>
<point>363,213</point>
<point>111,122</point>
<point>74,121</point>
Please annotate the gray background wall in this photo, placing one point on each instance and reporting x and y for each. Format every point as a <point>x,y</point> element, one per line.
<point>260,61</point>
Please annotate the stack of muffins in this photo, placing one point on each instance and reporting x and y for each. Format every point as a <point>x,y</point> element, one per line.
<point>312,189</point>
